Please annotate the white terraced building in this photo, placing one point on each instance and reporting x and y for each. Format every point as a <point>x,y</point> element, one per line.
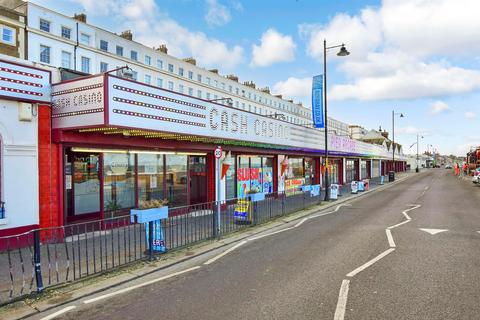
<point>61,41</point>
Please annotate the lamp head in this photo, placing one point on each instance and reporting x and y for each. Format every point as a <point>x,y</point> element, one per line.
<point>127,72</point>
<point>343,51</point>
<point>401,115</point>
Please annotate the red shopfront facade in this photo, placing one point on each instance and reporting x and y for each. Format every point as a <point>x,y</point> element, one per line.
<point>122,142</point>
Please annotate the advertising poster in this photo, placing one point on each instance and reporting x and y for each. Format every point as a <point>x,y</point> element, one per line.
<point>315,190</point>
<point>242,211</point>
<point>267,178</point>
<point>317,101</point>
<point>243,182</point>
<point>158,239</point>
<point>292,186</point>
<point>334,191</point>
<point>256,179</point>
<point>354,187</point>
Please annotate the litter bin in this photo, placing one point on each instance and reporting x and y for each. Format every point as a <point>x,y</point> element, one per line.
<point>391,176</point>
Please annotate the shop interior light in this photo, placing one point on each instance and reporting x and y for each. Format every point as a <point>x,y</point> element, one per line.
<point>97,150</point>
<point>94,150</point>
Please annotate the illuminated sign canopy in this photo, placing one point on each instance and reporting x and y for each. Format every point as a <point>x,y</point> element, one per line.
<point>110,101</point>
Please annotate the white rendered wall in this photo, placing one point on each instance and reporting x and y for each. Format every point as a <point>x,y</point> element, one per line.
<point>19,167</point>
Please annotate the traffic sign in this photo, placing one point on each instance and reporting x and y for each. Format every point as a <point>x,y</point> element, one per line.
<point>218,152</point>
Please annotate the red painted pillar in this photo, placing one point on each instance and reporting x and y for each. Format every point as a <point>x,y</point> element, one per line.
<point>210,177</point>
<point>317,170</point>
<point>275,173</point>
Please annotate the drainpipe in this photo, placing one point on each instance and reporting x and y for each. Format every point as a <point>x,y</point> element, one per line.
<point>75,50</point>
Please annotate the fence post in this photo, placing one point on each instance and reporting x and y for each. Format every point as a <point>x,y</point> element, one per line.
<point>283,204</point>
<point>215,219</point>
<point>36,260</point>
<point>150,240</point>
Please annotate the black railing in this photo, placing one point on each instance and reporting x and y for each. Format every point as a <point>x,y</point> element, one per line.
<point>50,256</point>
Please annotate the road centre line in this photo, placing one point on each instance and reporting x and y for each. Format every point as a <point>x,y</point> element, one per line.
<point>398,224</point>
<point>371,262</point>
<point>108,295</point>
<point>59,312</point>
<point>390,238</point>
<point>342,300</point>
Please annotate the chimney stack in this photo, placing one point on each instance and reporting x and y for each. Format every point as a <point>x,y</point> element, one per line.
<point>232,77</point>
<point>163,48</point>
<point>214,71</point>
<point>266,90</point>
<point>190,60</point>
<point>250,84</point>
<point>82,17</point>
<point>127,35</point>
<point>384,134</point>
<point>279,96</point>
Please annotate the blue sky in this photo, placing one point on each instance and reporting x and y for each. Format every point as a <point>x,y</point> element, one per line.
<point>419,57</point>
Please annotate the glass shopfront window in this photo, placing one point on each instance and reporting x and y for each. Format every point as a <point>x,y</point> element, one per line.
<point>253,173</point>
<point>267,174</point>
<point>230,182</point>
<point>176,180</point>
<point>363,169</point>
<point>150,177</point>
<point>309,171</point>
<point>243,176</point>
<point>334,171</point>
<point>350,173</point>
<point>295,176</point>
<point>118,181</point>
<point>83,196</point>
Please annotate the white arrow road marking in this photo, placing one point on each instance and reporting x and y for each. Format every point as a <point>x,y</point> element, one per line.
<point>478,231</point>
<point>433,231</point>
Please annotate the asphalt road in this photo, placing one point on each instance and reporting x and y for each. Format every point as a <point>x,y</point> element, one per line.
<point>297,274</point>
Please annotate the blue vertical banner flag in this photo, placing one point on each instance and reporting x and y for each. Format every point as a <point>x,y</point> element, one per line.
<point>317,102</point>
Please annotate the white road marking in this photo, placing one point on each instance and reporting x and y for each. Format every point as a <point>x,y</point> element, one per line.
<point>414,206</point>
<point>390,238</point>
<point>478,231</point>
<point>226,252</point>
<point>399,224</point>
<point>433,231</point>
<point>108,295</point>
<point>269,234</point>
<point>342,300</point>
<point>301,222</point>
<point>371,262</point>
<point>330,212</point>
<point>59,312</point>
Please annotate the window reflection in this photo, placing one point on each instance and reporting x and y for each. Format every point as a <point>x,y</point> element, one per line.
<point>150,177</point>
<point>176,180</point>
<point>119,181</point>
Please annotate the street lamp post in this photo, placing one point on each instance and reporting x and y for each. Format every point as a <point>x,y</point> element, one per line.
<point>342,53</point>
<point>393,140</point>
<point>418,145</point>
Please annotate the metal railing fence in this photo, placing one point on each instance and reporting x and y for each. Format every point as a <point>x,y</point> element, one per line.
<point>51,256</point>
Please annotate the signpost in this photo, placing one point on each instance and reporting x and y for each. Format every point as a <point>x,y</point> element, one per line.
<point>218,154</point>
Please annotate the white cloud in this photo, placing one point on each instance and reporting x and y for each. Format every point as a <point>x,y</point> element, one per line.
<point>293,87</point>
<point>470,115</point>
<point>274,47</point>
<point>217,14</point>
<point>153,27</point>
<point>411,130</point>
<point>397,49</point>
<point>439,107</point>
